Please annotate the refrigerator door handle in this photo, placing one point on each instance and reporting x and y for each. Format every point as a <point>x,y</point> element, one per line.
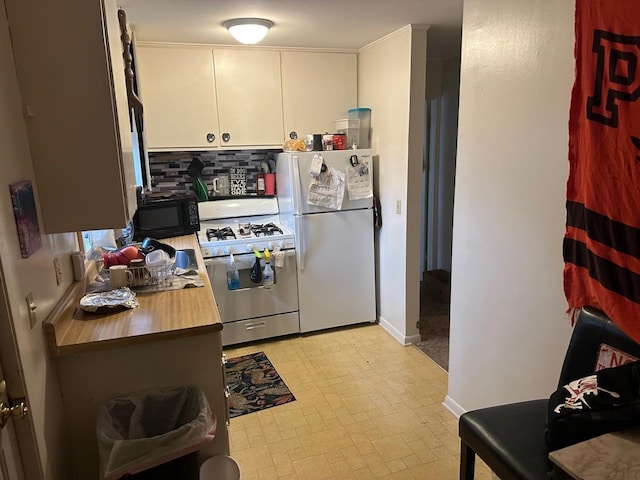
<point>300,243</point>
<point>297,194</point>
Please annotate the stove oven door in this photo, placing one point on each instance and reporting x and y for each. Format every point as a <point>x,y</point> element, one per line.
<point>251,300</point>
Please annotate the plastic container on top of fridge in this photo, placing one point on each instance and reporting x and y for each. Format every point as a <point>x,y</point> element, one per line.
<point>364,115</point>
<point>350,127</point>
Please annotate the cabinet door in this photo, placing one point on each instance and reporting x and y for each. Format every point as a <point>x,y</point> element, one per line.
<point>179,97</point>
<point>71,76</point>
<point>317,88</point>
<point>249,97</point>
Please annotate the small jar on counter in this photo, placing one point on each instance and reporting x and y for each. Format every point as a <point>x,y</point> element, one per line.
<point>339,141</point>
<point>327,142</point>
<point>260,186</point>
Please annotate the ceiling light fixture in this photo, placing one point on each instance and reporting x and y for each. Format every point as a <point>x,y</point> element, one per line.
<point>248,30</point>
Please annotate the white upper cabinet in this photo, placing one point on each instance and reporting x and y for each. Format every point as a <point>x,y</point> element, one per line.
<point>179,97</point>
<point>70,70</point>
<point>249,92</point>
<point>218,97</point>
<point>317,89</point>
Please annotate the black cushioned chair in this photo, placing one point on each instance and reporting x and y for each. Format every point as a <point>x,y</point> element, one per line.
<point>510,439</point>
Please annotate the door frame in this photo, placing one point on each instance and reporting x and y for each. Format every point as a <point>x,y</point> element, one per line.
<point>16,387</point>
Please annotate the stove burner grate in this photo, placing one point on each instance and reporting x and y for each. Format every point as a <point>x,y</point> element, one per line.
<point>265,230</point>
<point>220,233</point>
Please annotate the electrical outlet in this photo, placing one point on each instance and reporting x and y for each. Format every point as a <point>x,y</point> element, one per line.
<point>398,207</point>
<point>58,270</point>
<point>31,309</point>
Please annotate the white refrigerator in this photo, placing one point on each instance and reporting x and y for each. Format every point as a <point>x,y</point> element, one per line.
<point>334,247</point>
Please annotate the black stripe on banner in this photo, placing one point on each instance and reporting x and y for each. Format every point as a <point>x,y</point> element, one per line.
<point>610,275</point>
<point>620,237</point>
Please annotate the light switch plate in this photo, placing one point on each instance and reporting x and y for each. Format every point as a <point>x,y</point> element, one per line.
<point>398,207</point>
<point>31,309</point>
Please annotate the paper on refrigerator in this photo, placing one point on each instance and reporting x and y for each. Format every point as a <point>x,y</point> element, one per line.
<point>327,189</point>
<point>359,182</point>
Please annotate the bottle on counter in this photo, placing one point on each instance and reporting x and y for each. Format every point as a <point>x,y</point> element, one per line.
<point>233,278</point>
<point>267,272</point>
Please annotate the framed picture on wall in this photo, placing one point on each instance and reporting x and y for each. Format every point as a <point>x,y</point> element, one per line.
<point>26,216</point>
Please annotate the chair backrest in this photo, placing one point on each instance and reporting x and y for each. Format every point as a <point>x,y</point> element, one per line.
<point>594,336</point>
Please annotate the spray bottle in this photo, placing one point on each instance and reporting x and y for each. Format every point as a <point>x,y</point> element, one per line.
<point>233,278</point>
<point>256,271</point>
<point>267,273</point>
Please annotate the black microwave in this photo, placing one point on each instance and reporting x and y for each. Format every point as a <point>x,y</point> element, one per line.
<point>166,217</point>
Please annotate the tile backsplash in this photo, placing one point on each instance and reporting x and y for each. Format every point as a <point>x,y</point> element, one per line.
<point>169,169</point>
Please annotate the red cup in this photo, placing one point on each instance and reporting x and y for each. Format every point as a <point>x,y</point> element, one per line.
<point>269,183</point>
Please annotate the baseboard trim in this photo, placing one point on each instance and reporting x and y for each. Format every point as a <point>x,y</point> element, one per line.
<point>453,407</point>
<point>397,334</point>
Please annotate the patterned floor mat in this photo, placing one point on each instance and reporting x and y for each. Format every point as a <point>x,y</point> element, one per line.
<point>254,384</point>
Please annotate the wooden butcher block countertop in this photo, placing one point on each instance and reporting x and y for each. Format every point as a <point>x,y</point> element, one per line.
<point>161,315</point>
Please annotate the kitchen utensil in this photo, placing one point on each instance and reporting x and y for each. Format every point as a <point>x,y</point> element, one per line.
<point>199,186</point>
<point>195,168</point>
<point>264,166</point>
<point>272,165</point>
<point>269,183</point>
<point>119,276</point>
<point>221,186</point>
<point>140,274</point>
<point>202,193</point>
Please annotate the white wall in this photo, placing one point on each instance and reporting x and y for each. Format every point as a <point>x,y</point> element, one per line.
<point>35,274</point>
<point>509,330</point>
<point>391,81</point>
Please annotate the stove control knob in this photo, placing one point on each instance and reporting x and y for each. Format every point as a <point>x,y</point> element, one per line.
<point>281,244</point>
<point>228,250</point>
<point>250,247</point>
<point>270,246</point>
<point>206,252</point>
<point>215,252</point>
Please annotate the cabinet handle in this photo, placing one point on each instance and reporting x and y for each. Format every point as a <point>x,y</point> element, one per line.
<point>210,137</point>
<point>226,137</point>
<point>293,135</point>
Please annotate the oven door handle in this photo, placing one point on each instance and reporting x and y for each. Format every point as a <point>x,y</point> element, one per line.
<point>300,242</point>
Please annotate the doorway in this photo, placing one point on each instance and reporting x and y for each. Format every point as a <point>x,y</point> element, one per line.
<point>439,159</point>
<point>10,462</point>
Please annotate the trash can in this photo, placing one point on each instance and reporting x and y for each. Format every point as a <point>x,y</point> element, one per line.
<point>154,429</point>
<point>220,467</point>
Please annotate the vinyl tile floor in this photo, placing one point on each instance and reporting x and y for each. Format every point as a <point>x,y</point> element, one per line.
<point>366,408</point>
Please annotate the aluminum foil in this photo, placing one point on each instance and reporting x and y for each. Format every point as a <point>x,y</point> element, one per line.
<point>110,300</point>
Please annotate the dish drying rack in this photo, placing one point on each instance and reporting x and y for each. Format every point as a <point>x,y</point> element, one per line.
<point>155,276</point>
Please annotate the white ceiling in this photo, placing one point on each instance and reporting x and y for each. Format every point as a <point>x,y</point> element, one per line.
<point>347,24</point>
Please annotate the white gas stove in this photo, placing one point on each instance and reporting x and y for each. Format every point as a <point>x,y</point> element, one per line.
<point>241,226</point>
<point>251,311</point>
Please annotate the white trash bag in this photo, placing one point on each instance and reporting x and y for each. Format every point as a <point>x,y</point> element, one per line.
<point>152,427</point>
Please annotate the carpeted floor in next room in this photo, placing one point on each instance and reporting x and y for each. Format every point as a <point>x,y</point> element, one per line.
<point>434,317</point>
<point>365,408</point>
